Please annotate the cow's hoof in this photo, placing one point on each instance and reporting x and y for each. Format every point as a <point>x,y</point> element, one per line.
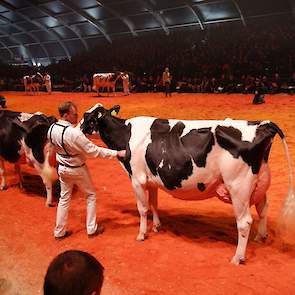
<point>261,238</point>
<point>140,237</point>
<point>49,205</point>
<point>157,228</point>
<point>236,260</point>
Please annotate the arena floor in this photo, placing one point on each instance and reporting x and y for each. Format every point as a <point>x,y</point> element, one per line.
<point>191,255</point>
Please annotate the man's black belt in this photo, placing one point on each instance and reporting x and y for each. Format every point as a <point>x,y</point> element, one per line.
<point>69,166</point>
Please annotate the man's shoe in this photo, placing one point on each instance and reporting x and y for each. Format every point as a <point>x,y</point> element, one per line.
<point>99,230</point>
<point>67,234</point>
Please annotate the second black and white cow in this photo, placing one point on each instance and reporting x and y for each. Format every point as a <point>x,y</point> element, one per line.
<point>26,134</point>
<point>195,160</point>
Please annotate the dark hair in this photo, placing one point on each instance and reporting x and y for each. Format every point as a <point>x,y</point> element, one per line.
<point>73,272</point>
<point>64,108</point>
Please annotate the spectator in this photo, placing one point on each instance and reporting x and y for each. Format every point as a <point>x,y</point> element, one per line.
<point>73,272</point>
<point>86,83</point>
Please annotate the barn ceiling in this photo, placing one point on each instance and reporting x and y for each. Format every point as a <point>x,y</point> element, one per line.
<point>47,30</point>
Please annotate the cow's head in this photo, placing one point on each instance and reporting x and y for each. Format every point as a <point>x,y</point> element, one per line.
<point>95,116</point>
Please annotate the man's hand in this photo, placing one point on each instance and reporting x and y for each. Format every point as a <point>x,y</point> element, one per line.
<point>121,154</point>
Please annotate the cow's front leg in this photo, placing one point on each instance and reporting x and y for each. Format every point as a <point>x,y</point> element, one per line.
<point>153,200</point>
<point>3,185</point>
<point>142,206</point>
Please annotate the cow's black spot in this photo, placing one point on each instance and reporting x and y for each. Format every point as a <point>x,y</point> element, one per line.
<point>198,143</point>
<point>201,186</point>
<point>169,155</point>
<point>253,153</point>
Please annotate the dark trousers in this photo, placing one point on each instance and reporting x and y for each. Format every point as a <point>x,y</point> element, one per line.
<point>167,89</point>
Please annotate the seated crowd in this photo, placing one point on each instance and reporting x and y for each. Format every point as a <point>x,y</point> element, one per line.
<point>222,58</point>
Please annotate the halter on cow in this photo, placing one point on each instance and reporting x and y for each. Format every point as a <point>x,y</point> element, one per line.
<point>26,134</point>
<point>195,160</point>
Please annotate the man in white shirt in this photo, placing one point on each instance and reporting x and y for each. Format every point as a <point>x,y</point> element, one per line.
<point>72,149</point>
<point>47,81</point>
<point>125,79</point>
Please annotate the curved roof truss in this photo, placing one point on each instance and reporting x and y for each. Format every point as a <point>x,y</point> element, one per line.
<point>56,29</point>
<point>72,6</point>
<point>39,25</point>
<point>14,38</point>
<point>49,13</point>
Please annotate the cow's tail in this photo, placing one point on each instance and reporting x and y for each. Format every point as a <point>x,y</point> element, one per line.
<point>286,224</point>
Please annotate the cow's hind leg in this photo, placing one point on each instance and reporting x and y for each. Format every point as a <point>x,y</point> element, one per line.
<point>153,200</point>
<point>45,172</point>
<point>261,209</point>
<point>244,221</point>
<point>142,206</point>
<point>240,190</point>
<point>3,185</point>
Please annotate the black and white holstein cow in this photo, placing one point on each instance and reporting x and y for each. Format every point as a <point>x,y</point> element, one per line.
<point>26,134</point>
<point>106,80</point>
<point>195,160</point>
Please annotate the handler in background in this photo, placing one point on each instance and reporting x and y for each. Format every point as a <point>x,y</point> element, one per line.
<point>47,81</point>
<point>166,77</point>
<point>72,148</point>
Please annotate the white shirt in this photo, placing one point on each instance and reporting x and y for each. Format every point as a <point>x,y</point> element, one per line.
<point>47,78</point>
<point>72,146</point>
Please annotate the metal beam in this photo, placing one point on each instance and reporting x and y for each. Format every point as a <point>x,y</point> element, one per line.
<point>21,45</point>
<point>124,19</point>
<point>7,48</point>
<point>240,12</point>
<point>44,28</point>
<point>49,13</point>
<point>149,6</point>
<point>193,10</point>
<point>23,31</point>
<point>69,4</point>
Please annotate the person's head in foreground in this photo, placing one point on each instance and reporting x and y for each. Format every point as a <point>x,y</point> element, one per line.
<point>73,272</point>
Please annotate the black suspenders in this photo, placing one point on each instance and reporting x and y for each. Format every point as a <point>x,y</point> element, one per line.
<point>62,139</point>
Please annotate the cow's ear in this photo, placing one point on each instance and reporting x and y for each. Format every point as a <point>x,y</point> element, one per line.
<point>115,110</point>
